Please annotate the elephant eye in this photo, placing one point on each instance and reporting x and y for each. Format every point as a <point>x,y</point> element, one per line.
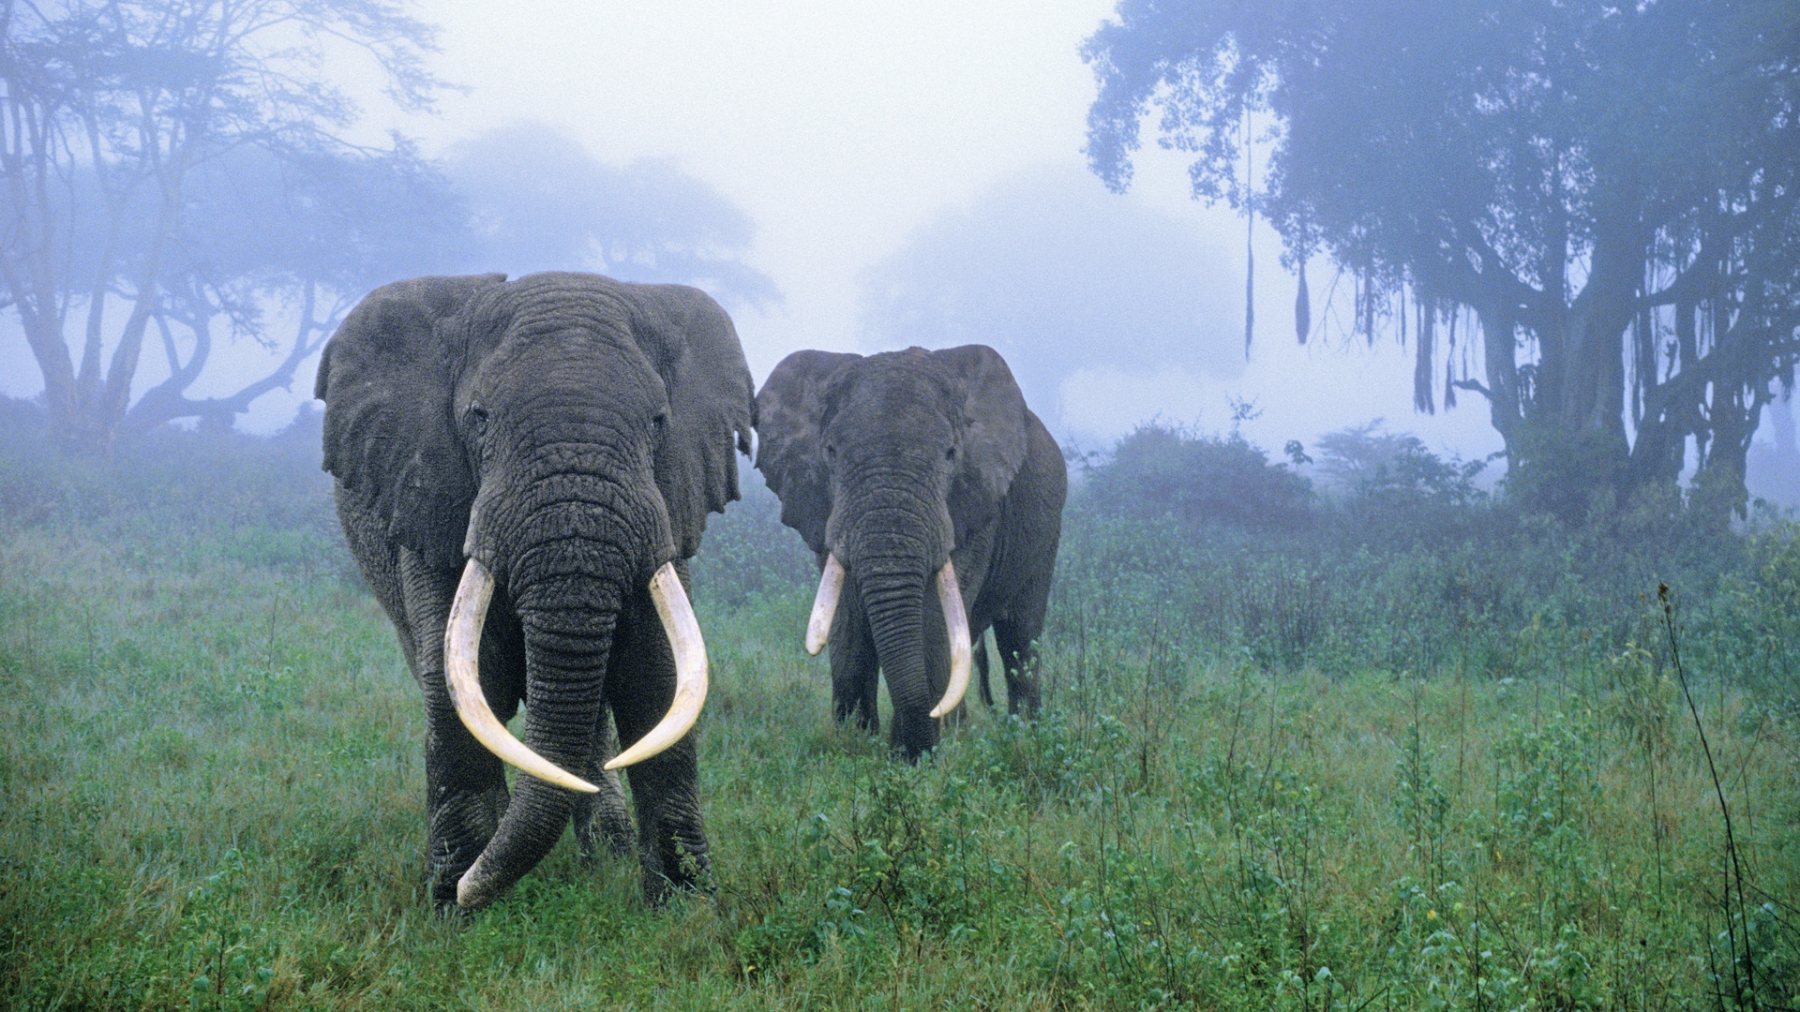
<point>831,451</point>
<point>477,418</point>
<point>950,454</point>
<point>661,420</point>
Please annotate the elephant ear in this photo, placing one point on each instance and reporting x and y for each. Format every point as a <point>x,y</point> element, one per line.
<point>690,340</point>
<point>994,434</point>
<point>387,377</point>
<point>790,419</point>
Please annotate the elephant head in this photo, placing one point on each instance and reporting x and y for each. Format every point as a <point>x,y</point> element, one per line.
<point>887,465</point>
<point>559,440</point>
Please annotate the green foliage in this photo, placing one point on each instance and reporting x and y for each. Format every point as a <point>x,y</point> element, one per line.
<point>1758,610</point>
<point>748,554</point>
<point>1404,565</point>
<point>232,957</point>
<point>1159,470</point>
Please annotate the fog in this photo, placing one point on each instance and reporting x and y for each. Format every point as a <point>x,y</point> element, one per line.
<point>866,176</point>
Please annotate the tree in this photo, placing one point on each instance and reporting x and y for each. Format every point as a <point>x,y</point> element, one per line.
<point>542,202</point>
<point>124,128</point>
<point>1058,276</point>
<point>309,233</point>
<point>1604,195</point>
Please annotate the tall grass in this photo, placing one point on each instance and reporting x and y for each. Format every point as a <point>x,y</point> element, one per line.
<point>213,785</point>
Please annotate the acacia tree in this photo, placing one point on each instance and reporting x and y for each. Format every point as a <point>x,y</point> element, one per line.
<point>310,233</point>
<point>541,201</point>
<point>110,112</point>
<point>1603,194</point>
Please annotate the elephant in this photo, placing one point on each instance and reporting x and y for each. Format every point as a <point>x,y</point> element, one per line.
<point>903,471</point>
<point>523,470</point>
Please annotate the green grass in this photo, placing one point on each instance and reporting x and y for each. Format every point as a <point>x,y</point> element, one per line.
<point>211,765</point>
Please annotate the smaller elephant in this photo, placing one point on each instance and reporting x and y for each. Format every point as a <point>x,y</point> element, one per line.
<point>915,475</point>
<point>523,470</point>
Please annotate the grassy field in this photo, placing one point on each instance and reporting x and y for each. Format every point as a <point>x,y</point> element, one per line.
<point>212,776</point>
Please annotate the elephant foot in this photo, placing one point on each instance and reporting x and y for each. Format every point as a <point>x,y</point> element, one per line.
<point>865,720</point>
<point>1024,704</point>
<point>693,875</point>
<point>602,821</point>
<point>674,855</point>
<point>461,826</point>
<point>1023,697</point>
<point>911,735</point>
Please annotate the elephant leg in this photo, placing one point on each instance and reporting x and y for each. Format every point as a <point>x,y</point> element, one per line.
<point>1019,656</point>
<point>465,784</point>
<point>855,668</point>
<point>665,788</point>
<point>603,820</point>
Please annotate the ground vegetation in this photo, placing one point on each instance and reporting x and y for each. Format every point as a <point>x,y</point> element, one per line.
<point>1376,754</point>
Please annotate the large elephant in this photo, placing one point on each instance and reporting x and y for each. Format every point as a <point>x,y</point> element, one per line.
<point>551,445</point>
<point>915,477</point>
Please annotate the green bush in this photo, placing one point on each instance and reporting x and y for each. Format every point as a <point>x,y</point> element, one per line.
<point>1158,470</point>
<point>1405,565</point>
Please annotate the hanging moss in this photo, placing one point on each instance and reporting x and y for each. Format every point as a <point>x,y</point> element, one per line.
<point>1302,307</point>
<point>1423,374</point>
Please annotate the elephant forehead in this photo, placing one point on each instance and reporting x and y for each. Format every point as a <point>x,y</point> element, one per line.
<point>560,300</point>
<point>571,362</point>
<point>906,391</point>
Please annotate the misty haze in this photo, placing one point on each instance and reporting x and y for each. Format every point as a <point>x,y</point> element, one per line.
<point>1110,504</point>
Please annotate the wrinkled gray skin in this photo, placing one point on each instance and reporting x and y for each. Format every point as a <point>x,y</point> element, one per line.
<point>894,463</point>
<point>571,433</point>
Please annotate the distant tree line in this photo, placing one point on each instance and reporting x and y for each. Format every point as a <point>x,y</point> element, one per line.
<point>177,172</point>
<point>1599,200</point>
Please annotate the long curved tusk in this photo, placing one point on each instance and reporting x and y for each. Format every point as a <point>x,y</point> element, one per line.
<point>831,584</point>
<point>462,670</point>
<point>956,623</point>
<point>683,630</point>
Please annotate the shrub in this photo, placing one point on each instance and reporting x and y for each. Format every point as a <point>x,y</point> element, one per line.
<point>1160,470</point>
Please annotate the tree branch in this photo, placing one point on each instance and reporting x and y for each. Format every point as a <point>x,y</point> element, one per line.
<point>165,402</point>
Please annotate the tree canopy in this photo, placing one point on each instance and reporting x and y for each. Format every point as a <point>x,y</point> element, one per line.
<point>121,122</point>
<point>178,170</point>
<point>542,202</point>
<point>1602,195</point>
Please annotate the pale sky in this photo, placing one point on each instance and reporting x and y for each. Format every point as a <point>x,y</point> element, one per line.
<point>841,127</point>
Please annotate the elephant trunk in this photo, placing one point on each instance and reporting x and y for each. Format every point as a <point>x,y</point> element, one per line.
<point>568,620</point>
<point>583,560</point>
<point>893,598</point>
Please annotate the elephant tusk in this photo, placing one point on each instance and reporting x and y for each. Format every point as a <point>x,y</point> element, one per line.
<point>462,671</point>
<point>683,630</point>
<point>956,623</point>
<point>831,584</point>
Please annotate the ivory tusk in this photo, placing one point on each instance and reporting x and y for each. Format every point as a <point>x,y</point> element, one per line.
<point>956,623</point>
<point>831,584</point>
<point>462,671</point>
<point>683,630</point>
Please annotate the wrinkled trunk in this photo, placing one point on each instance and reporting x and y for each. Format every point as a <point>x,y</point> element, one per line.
<point>568,607</point>
<point>893,596</point>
